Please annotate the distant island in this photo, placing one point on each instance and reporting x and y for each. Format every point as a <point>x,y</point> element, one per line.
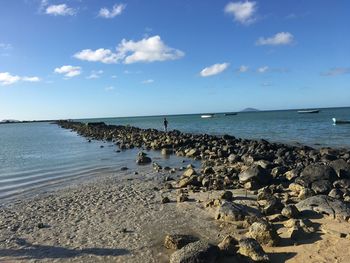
<point>17,121</point>
<point>249,109</point>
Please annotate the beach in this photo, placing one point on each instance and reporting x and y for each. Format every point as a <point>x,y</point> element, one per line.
<point>123,220</point>
<point>292,207</point>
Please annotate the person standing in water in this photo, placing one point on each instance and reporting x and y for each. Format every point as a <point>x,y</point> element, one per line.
<point>165,125</point>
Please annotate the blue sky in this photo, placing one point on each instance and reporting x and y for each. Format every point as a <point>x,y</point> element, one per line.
<point>85,58</point>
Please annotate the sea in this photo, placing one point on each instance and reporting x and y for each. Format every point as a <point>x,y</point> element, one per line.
<point>37,158</point>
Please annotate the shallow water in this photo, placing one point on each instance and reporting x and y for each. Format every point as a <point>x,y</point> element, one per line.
<point>36,157</point>
<point>276,126</point>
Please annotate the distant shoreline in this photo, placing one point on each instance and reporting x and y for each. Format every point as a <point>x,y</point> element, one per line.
<point>181,114</point>
<point>16,122</point>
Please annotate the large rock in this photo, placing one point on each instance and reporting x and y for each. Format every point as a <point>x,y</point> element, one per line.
<point>232,158</point>
<point>196,252</point>
<point>230,212</point>
<point>189,172</point>
<point>192,153</point>
<point>316,172</point>
<point>342,183</point>
<point>325,205</point>
<point>142,158</point>
<point>296,233</point>
<point>255,174</point>
<point>167,151</point>
<point>228,246</point>
<point>341,167</point>
<point>272,205</point>
<point>250,248</point>
<point>177,241</point>
<point>184,182</point>
<point>290,211</point>
<point>263,233</point>
<point>321,187</point>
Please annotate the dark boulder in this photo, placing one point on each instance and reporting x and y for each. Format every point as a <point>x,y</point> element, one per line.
<point>316,172</point>
<point>325,205</point>
<point>321,187</point>
<point>341,167</point>
<point>196,252</point>
<point>290,211</point>
<point>250,248</point>
<point>255,174</point>
<point>142,158</point>
<point>342,183</point>
<point>177,241</point>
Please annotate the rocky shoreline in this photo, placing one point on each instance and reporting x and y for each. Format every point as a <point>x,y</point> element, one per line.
<point>289,182</point>
<point>250,201</point>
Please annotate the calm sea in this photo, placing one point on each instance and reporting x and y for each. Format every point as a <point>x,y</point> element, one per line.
<point>37,157</point>
<point>40,157</point>
<point>278,126</point>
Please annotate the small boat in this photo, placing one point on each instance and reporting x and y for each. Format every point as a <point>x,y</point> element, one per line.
<point>231,113</point>
<point>308,111</point>
<point>335,121</point>
<point>205,116</point>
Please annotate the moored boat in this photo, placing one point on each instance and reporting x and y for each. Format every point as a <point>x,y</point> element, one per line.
<point>205,116</point>
<point>335,121</point>
<point>230,113</point>
<point>308,111</point>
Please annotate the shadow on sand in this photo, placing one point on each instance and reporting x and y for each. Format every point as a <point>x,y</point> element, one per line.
<point>30,251</point>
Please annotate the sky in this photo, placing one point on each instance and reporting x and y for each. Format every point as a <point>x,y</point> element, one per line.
<point>90,59</point>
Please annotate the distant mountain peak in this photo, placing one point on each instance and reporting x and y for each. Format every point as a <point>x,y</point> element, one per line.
<point>250,109</point>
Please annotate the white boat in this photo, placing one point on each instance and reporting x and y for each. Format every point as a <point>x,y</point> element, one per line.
<point>205,116</point>
<point>335,121</point>
<point>308,111</point>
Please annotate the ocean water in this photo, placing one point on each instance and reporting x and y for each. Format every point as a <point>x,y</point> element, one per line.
<point>316,130</point>
<point>39,157</point>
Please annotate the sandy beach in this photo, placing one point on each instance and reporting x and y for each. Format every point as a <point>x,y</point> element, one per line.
<point>237,206</point>
<point>122,219</point>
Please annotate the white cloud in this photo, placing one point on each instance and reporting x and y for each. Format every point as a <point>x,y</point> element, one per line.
<point>336,71</point>
<point>282,38</point>
<point>99,55</point>
<point>263,69</point>
<point>146,50</point>
<point>148,81</point>
<point>214,69</point>
<point>60,10</point>
<point>68,71</point>
<point>243,12</point>
<point>95,74</point>
<point>114,76</point>
<point>110,88</point>
<point>116,10</point>
<point>7,79</point>
<point>243,69</point>
<point>31,79</point>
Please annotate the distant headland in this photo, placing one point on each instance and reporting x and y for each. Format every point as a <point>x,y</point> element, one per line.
<point>249,109</point>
